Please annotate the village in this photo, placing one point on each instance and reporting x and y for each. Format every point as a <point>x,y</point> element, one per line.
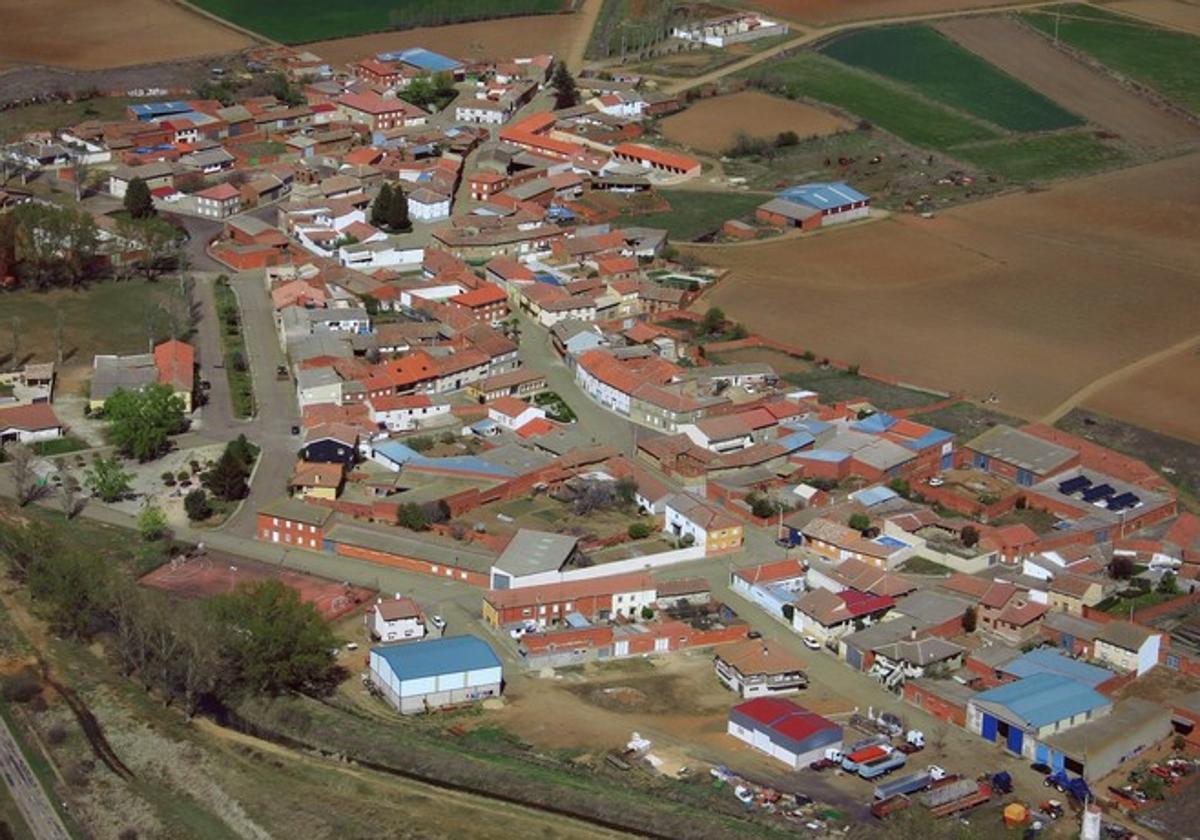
<point>433,340</point>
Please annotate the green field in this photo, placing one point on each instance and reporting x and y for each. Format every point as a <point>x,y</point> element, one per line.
<point>694,213</point>
<point>16,122</point>
<point>889,106</point>
<point>1044,158</point>
<point>1167,61</point>
<point>299,21</point>
<point>940,69</point>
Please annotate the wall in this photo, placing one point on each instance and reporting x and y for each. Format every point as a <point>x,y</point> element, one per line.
<point>636,564</point>
<point>939,707</point>
<point>412,564</point>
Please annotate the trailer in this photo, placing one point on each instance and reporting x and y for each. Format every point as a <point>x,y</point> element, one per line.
<point>956,797</point>
<point>853,760</point>
<point>891,805</point>
<point>882,767</point>
<point>911,783</point>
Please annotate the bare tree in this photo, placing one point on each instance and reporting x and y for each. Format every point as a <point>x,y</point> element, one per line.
<point>15,359</point>
<point>24,479</point>
<point>69,496</point>
<point>59,334</point>
<point>80,169</point>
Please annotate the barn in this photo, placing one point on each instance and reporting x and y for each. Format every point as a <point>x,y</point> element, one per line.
<point>450,671</point>
<point>784,730</point>
<point>838,202</point>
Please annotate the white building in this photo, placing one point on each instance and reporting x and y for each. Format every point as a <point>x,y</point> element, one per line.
<point>783,730</point>
<point>433,674</point>
<point>29,423</point>
<point>402,413</point>
<point>512,413</point>
<point>484,111</point>
<point>732,29</point>
<point>612,398</point>
<point>396,620</point>
<point>425,205</point>
<point>1127,646</point>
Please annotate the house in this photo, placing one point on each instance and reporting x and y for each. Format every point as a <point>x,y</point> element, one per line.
<point>425,205</point>
<point>826,615</point>
<point>515,383</point>
<point>1021,714</point>
<point>512,413</point>
<point>596,600</point>
<point>1075,635</point>
<point>172,363</point>
<point>29,423</point>
<point>1020,620</point>
<point>380,113</point>
<point>331,443</point>
<point>907,659</point>
<point>401,413</point>
<point>1127,646</point>
<point>709,527</point>
<point>175,362</point>
<point>434,674</point>
<point>756,668</point>
<point>396,620</point>
<point>784,730</point>
<point>1073,593</point>
<point>218,202</point>
<point>838,543</point>
<point>312,480</point>
<point>159,174</point>
<point>532,558</point>
<point>292,522</point>
<point>671,163</point>
<point>488,303</point>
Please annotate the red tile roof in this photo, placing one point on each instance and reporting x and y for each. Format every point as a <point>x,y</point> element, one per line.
<point>29,418</point>
<point>655,156</point>
<point>176,364</point>
<point>485,295</point>
<point>221,192</point>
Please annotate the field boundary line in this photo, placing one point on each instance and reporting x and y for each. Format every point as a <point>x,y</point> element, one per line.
<point>228,24</point>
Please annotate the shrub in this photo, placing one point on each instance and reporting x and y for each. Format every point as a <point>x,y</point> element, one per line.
<point>420,443</point>
<point>21,688</point>
<point>647,613</point>
<point>969,536</point>
<point>639,531</point>
<point>859,521</point>
<point>197,506</point>
<point>56,734</point>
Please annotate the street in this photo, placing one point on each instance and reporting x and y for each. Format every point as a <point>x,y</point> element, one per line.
<point>27,792</point>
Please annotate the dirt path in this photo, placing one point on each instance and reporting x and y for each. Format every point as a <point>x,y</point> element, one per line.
<point>1172,14</point>
<point>1113,377</point>
<point>1034,60</point>
<point>588,11</point>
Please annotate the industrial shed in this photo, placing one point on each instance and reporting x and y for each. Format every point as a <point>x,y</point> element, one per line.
<point>420,676</point>
<point>783,730</point>
<point>1022,714</point>
<point>1096,749</point>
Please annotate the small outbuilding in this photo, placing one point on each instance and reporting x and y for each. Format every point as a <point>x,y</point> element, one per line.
<point>421,676</point>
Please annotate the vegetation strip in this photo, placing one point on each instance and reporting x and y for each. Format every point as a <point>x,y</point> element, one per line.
<point>233,349</point>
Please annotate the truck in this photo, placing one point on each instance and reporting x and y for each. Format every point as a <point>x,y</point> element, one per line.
<point>955,797</point>
<point>1077,788</point>
<point>875,769</point>
<point>851,761</point>
<point>911,783</point>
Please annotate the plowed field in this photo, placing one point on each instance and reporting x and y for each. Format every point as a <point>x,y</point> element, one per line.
<point>712,125</point>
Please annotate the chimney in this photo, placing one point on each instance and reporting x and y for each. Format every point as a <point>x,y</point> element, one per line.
<point>912,633</point>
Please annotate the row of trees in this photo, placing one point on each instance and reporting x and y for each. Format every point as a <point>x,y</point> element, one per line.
<point>260,638</point>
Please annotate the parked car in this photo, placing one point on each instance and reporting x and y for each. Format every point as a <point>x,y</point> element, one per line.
<point>936,481</point>
<point>295,430</point>
<point>438,622</point>
<point>518,632</point>
<point>822,764</point>
<point>811,642</point>
<point>281,372</point>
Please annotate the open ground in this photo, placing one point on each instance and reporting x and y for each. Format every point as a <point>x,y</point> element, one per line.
<point>712,125</point>
<point>88,35</point>
<point>1031,58</point>
<point>1177,14</point>
<point>822,12</point>
<point>1029,297</point>
<point>1162,397</point>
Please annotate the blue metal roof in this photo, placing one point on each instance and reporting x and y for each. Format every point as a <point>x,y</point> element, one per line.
<point>577,621</point>
<point>832,456</point>
<point>872,496</point>
<point>396,451</point>
<point>931,438</point>
<point>1051,661</point>
<point>156,110</point>
<point>823,196</point>
<point>422,58</point>
<point>405,455</point>
<point>1043,699</point>
<point>875,424</point>
<point>796,440</point>
<point>449,655</point>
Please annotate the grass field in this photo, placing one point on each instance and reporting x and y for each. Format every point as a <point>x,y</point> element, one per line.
<point>627,25</point>
<point>940,69</point>
<point>1167,61</point>
<point>51,115</point>
<point>299,21</point>
<point>1044,158</point>
<point>694,213</point>
<point>866,95</point>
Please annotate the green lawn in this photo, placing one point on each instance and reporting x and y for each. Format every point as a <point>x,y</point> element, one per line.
<point>233,345</point>
<point>694,213</point>
<point>1162,59</point>
<point>942,70</point>
<point>1044,158</point>
<point>924,566</point>
<point>60,446</point>
<point>298,21</point>
<point>887,105</point>
<point>51,115</point>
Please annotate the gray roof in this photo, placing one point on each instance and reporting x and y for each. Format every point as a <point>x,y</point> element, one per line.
<point>1125,634</point>
<point>1021,449</point>
<point>516,457</point>
<point>995,655</point>
<point>531,552</point>
<point>130,373</point>
<point>1073,625</point>
<point>317,377</point>
<point>297,511</point>
<point>789,209</point>
<point>930,608</point>
<point>1132,716</point>
<point>921,652</point>
<point>396,541</point>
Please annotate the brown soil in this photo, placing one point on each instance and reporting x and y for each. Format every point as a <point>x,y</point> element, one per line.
<point>712,125</point>
<point>1178,15</point>
<point>1162,398</point>
<point>1030,296</point>
<point>114,33</point>
<point>519,36</point>
<point>1034,60</point>
<point>822,12</point>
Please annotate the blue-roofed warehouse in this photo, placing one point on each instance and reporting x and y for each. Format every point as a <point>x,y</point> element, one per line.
<point>423,59</point>
<point>419,676</point>
<point>837,201</point>
<point>1053,661</point>
<point>1021,715</point>
<point>147,111</point>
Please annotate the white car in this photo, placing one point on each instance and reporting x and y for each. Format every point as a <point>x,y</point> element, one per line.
<point>811,643</point>
<point>518,632</point>
<point>936,481</point>
<point>936,773</point>
<point>438,622</point>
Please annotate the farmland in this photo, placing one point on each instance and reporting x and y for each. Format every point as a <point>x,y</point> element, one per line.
<point>694,213</point>
<point>1046,157</point>
<point>712,125</point>
<point>1162,397</point>
<point>86,36</point>
<point>1167,61</point>
<point>938,68</point>
<point>302,21</point>
<point>823,12</point>
<point>979,298</point>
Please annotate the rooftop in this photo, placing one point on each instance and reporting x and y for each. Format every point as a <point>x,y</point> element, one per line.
<point>1043,699</point>
<point>449,655</point>
<point>530,552</point>
<point>1021,449</point>
<point>1051,661</point>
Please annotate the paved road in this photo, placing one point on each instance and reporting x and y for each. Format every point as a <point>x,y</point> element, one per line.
<point>27,791</point>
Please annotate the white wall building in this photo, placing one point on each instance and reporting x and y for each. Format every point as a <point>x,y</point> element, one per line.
<point>433,674</point>
<point>397,619</point>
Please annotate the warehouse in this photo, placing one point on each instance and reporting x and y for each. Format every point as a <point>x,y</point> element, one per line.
<point>784,730</point>
<point>421,676</point>
<point>837,202</point>
<point>1022,714</point>
<point>1096,749</point>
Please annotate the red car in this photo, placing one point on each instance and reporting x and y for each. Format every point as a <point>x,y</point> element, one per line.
<point>822,764</point>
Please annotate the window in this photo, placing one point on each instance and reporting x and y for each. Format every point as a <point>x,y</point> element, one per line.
<point>274,520</point>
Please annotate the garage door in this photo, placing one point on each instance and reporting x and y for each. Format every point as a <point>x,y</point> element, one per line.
<point>854,657</point>
<point>1041,754</point>
<point>1016,739</point>
<point>989,728</point>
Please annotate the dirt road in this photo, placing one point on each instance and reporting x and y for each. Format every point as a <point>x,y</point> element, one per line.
<point>1029,57</point>
<point>587,13</point>
<point>27,792</point>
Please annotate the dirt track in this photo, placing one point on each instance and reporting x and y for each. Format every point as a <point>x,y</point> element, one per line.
<point>1034,60</point>
<point>712,125</point>
<point>1032,297</point>
<point>1161,395</point>
<point>89,35</point>
<point>1177,14</point>
<point>823,12</point>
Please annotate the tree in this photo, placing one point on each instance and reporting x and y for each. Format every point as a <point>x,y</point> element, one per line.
<point>227,478</point>
<point>626,489</point>
<point>969,536</point>
<point>141,422</point>
<point>639,531</point>
<point>70,588</point>
<point>1120,567</point>
<point>969,620</point>
<point>59,334</point>
<point>155,239</point>
<point>196,505</point>
<point>139,204</point>
<point>24,479</point>
<point>107,480</point>
<point>152,523</point>
<point>647,613</point>
<point>14,361</point>
<point>565,93</point>
<point>859,521</point>
<point>397,218</point>
<point>713,322</point>
<point>382,206</point>
<point>69,496</point>
<point>413,517</point>
<point>244,451</point>
<point>1168,584</point>
<point>787,138</point>
<point>271,640</point>
<point>22,545</point>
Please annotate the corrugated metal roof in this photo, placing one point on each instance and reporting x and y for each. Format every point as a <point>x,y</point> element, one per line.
<point>1050,661</point>
<point>450,655</point>
<point>872,496</point>
<point>1044,698</point>
<point>823,196</point>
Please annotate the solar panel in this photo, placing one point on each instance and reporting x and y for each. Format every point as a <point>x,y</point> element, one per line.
<point>1074,485</point>
<point>1120,502</point>
<point>1100,491</point>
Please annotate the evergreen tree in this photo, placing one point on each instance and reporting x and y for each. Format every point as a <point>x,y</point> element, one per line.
<point>382,206</point>
<point>565,93</point>
<point>227,479</point>
<point>138,202</point>
<point>397,220</point>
